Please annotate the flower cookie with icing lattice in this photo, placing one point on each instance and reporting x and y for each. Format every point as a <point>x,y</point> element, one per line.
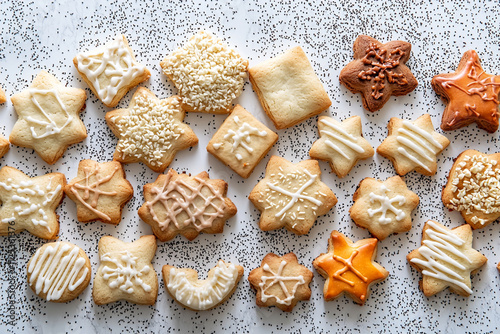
<point>281,281</point>
<point>291,195</point>
<point>126,272</point>
<point>188,205</point>
<point>48,117</point>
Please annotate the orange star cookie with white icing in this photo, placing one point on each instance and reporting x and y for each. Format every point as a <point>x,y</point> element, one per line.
<point>446,259</point>
<point>413,145</point>
<point>100,191</point>
<point>291,195</point>
<point>349,267</point>
<point>188,205</point>
<point>150,130</point>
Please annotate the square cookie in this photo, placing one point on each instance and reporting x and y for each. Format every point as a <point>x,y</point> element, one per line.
<point>242,142</point>
<point>288,88</point>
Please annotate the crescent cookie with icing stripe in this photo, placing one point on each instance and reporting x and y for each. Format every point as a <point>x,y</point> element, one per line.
<point>126,271</point>
<point>446,259</point>
<point>48,117</point>
<point>281,281</point>
<point>188,290</point>
<point>100,191</point>
<point>413,145</point>
<point>59,271</point>
<point>291,195</point>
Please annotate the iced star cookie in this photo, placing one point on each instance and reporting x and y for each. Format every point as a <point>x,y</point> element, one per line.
<point>48,117</point>
<point>3,98</point>
<point>242,142</point>
<point>341,144</point>
<point>111,70</point>
<point>208,74</point>
<point>150,130</point>
<point>281,281</point>
<point>291,195</point>
<point>413,145</point>
<point>30,203</point>
<point>349,267</point>
<point>288,88</point>
<point>194,294</point>
<point>383,207</point>
<point>471,95</point>
<point>59,271</point>
<point>378,71</point>
<point>188,205</point>
<point>126,272</point>
<point>446,259</point>
<point>100,191</point>
<point>473,188</point>
<point>4,146</point>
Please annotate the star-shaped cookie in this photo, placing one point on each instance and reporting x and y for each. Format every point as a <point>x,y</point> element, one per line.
<point>341,144</point>
<point>378,71</point>
<point>281,281</point>
<point>30,203</point>
<point>413,145</point>
<point>3,98</point>
<point>291,195</point>
<point>100,191</point>
<point>126,271</point>
<point>188,205</point>
<point>48,117</point>
<point>446,259</point>
<point>472,96</point>
<point>349,267</point>
<point>150,130</point>
<point>383,207</point>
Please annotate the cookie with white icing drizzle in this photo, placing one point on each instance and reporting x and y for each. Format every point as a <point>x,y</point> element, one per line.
<point>126,271</point>
<point>59,271</point>
<point>446,259</point>
<point>188,290</point>
<point>100,191</point>
<point>188,205</point>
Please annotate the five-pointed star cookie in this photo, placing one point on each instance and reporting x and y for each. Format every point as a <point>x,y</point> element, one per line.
<point>413,145</point>
<point>100,191</point>
<point>188,205</point>
<point>349,267</point>
<point>341,144</point>
<point>378,71</point>
<point>48,117</point>
<point>281,281</point>
<point>150,130</point>
<point>291,195</point>
<point>472,96</point>
<point>30,203</point>
<point>126,271</point>
<point>446,259</point>
<point>383,207</point>
<point>3,98</point>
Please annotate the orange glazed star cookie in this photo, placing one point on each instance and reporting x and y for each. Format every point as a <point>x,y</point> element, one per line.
<point>349,267</point>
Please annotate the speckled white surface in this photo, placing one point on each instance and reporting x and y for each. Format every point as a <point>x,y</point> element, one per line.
<point>38,35</point>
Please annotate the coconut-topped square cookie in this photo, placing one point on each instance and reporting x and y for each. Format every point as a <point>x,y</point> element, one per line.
<point>242,141</point>
<point>288,88</point>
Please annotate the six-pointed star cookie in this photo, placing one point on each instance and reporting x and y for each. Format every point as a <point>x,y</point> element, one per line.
<point>349,267</point>
<point>126,271</point>
<point>383,207</point>
<point>281,281</point>
<point>413,145</point>
<point>446,259</point>
<point>150,130</point>
<point>378,71</point>
<point>341,144</point>
<point>48,117</point>
<point>472,96</point>
<point>29,203</point>
<point>291,195</point>
<point>100,191</point>
<point>188,205</point>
